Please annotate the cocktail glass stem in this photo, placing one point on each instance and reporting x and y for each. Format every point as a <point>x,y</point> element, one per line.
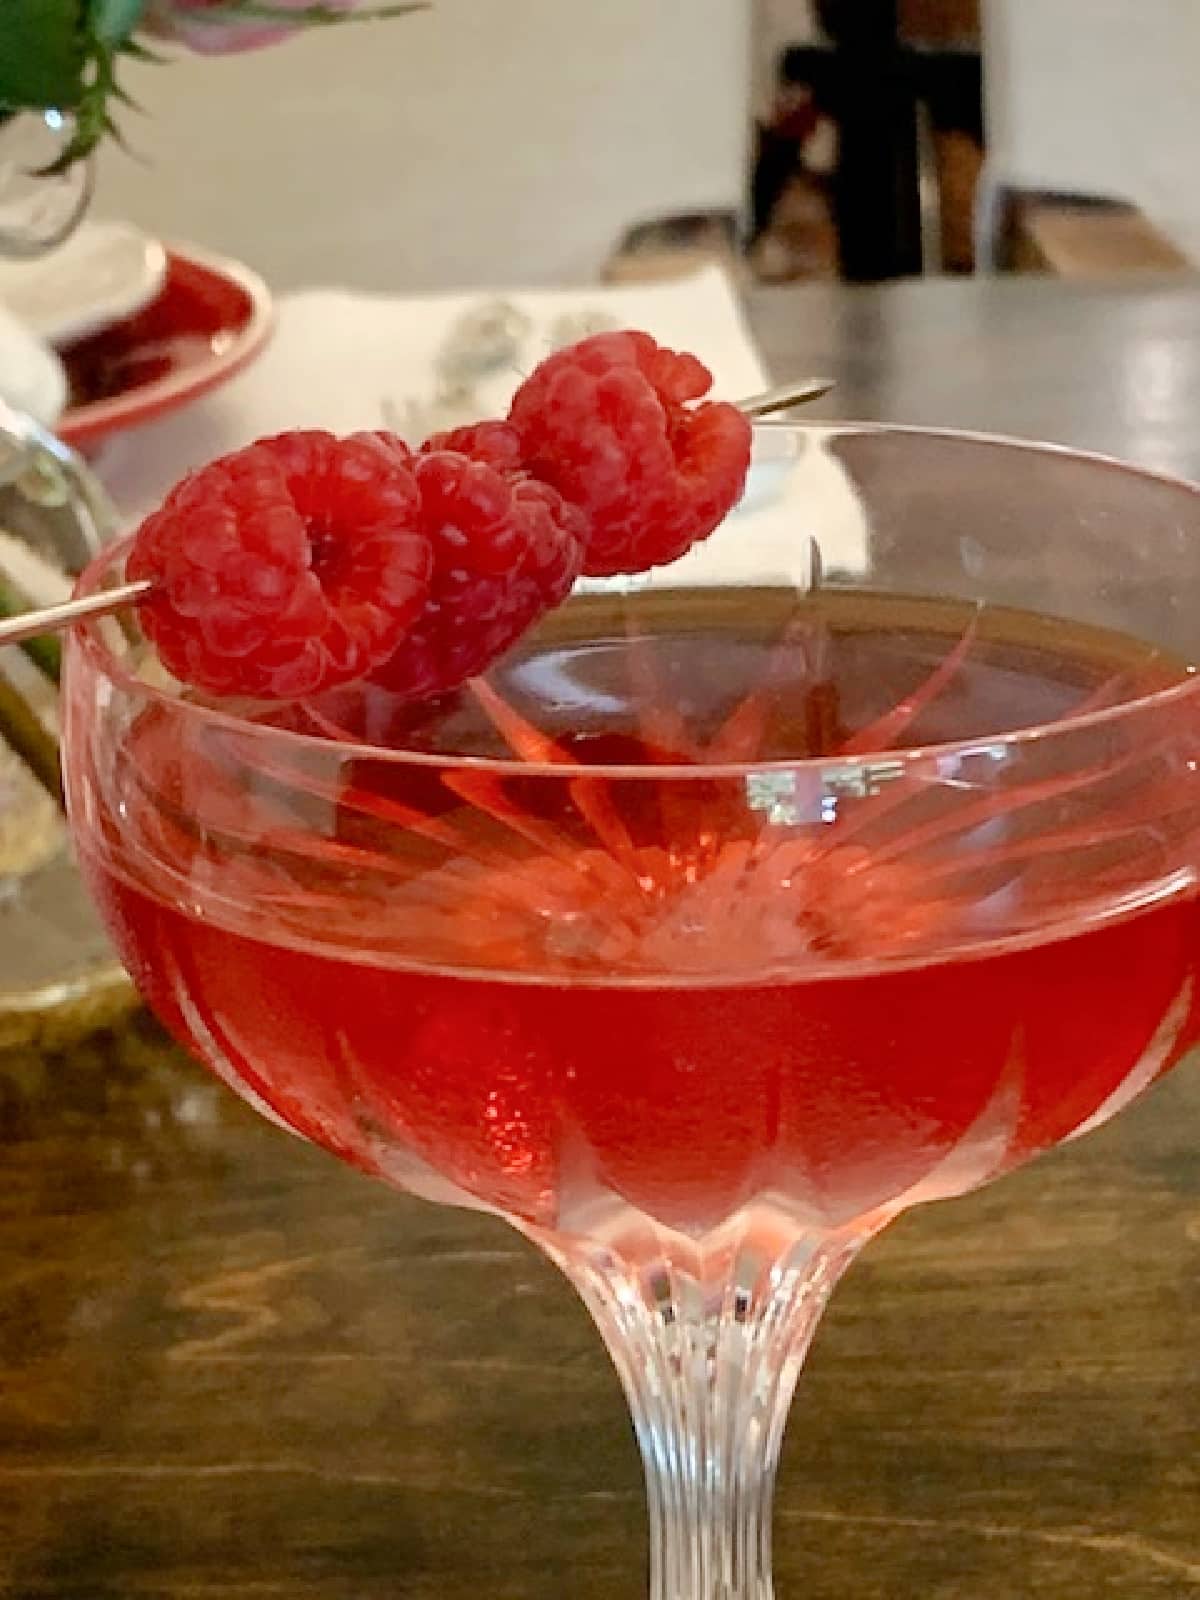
<point>709,1341</point>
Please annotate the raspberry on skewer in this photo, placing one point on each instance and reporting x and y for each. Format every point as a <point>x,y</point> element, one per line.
<point>505,548</point>
<point>285,567</point>
<point>306,562</point>
<point>618,425</point>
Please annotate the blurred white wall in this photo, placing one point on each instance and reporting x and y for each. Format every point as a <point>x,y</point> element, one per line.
<point>1100,97</point>
<point>486,141</point>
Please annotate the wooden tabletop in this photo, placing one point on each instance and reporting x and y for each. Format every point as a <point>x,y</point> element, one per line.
<point>229,1367</point>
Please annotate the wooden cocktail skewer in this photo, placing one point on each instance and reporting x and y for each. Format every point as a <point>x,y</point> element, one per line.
<point>51,619</point>
<point>785,396</point>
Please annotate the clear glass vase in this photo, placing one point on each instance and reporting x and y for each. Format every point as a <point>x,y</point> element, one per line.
<point>39,208</point>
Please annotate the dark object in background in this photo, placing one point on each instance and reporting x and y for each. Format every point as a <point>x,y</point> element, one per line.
<point>779,151</point>
<point>876,191</point>
<point>885,63</point>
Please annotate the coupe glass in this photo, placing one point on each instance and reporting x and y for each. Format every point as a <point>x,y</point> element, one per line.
<point>847,867</point>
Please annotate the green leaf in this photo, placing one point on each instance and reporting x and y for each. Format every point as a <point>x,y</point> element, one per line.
<point>112,21</point>
<point>139,52</point>
<point>92,120</point>
<point>126,99</point>
<point>61,53</point>
<point>115,134</point>
<point>42,53</point>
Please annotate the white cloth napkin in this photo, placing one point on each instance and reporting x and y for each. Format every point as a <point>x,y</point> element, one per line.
<point>339,358</point>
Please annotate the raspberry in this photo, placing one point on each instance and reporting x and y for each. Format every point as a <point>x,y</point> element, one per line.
<point>498,444</point>
<point>286,567</point>
<point>506,548</point>
<point>610,423</point>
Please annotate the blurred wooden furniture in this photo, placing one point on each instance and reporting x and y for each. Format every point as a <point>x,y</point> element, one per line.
<point>672,247</point>
<point>1081,237</point>
<point>939,23</point>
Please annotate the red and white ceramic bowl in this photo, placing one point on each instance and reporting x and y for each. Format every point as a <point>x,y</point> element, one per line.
<point>212,317</point>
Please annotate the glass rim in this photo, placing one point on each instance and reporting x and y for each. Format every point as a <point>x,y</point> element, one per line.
<point>88,638</point>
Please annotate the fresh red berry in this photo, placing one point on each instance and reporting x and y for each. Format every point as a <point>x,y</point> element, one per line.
<point>506,548</point>
<point>612,423</point>
<point>496,443</point>
<point>286,567</point>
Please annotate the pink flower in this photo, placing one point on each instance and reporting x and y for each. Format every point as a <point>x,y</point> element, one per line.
<point>220,27</point>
